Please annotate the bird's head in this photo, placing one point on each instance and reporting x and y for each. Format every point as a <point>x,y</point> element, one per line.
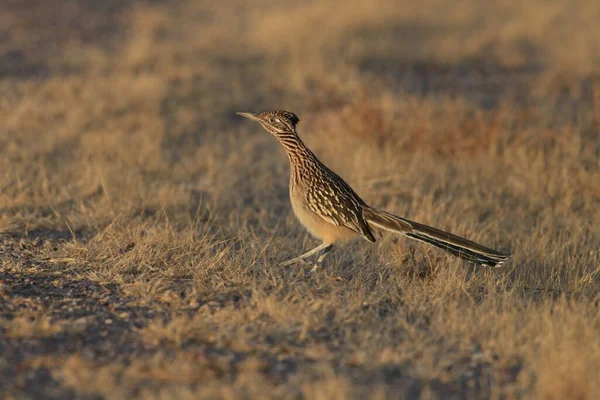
<point>275,121</point>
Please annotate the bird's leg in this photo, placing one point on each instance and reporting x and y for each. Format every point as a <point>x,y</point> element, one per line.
<point>322,256</point>
<point>317,249</point>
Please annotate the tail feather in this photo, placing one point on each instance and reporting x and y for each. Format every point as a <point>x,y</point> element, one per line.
<point>453,244</point>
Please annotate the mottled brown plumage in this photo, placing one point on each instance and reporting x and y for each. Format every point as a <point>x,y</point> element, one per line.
<point>332,211</point>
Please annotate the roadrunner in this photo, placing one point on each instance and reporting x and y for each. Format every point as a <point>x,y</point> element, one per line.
<point>331,211</point>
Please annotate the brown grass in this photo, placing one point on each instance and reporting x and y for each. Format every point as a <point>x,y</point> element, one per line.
<point>30,325</point>
<point>120,150</point>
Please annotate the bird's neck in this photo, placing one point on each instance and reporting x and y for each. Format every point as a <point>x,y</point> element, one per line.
<point>299,155</point>
<point>293,146</point>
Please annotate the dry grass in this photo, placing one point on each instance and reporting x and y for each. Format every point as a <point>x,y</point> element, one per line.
<point>123,164</point>
<point>30,325</point>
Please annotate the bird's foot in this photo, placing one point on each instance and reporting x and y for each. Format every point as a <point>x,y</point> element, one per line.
<point>319,267</point>
<point>292,262</point>
<point>314,269</point>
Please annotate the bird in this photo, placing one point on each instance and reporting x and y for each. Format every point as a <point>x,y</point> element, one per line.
<point>334,213</point>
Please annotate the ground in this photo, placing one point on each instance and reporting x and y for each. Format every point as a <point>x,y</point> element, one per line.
<point>142,221</point>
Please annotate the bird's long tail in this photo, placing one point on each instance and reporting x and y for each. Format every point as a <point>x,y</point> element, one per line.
<point>453,244</point>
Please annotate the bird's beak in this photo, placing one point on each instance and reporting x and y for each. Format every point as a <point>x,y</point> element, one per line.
<point>251,116</point>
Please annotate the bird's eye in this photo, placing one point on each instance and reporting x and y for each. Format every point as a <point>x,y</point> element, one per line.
<point>272,120</point>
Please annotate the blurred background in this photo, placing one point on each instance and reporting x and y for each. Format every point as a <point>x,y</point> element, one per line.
<point>140,85</point>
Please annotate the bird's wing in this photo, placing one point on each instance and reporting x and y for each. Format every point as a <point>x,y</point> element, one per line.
<point>338,204</point>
